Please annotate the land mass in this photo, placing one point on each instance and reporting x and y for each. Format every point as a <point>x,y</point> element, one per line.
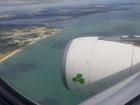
<point>61,13</point>
<point>15,40</point>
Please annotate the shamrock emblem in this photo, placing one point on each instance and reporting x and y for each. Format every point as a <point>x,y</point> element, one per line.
<point>78,79</point>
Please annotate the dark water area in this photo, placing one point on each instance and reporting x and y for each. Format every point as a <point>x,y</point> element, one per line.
<point>61,44</point>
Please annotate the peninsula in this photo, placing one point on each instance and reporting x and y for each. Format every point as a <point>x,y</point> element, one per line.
<point>15,40</point>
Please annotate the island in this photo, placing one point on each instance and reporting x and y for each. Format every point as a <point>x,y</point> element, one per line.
<point>14,40</point>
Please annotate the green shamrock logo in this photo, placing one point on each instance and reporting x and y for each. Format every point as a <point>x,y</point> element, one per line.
<point>78,79</point>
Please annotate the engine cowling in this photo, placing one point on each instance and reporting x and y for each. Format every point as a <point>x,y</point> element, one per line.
<point>92,65</point>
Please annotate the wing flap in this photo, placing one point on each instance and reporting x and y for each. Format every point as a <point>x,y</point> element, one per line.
<point>119,94</point>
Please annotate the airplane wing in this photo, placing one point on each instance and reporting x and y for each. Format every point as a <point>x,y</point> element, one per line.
<point>119,94</point>
<point>123,39</point>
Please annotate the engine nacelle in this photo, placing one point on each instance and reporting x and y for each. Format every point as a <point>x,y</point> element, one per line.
<point>92,65</point>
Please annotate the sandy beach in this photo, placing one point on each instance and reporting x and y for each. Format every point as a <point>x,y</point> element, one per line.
<point>7,56</point>
<point>10,55</point>
<point>4,57</point>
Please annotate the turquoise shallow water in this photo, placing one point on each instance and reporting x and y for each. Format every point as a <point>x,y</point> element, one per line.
<point>36,70</point>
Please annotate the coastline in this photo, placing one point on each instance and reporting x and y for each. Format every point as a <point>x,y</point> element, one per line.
<point>15,52</point>
<point>20,49</point>
<point>10,55</point>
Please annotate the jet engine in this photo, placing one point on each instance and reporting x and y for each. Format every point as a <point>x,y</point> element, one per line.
<point>91,64</point>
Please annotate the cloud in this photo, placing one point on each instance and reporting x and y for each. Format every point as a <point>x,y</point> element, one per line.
<point>16,2</point>
<point>6,6</point>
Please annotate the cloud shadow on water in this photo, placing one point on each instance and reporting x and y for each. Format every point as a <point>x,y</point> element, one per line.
<point>61,44</point>
<point>11,70</point>
<point>124,29</point>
